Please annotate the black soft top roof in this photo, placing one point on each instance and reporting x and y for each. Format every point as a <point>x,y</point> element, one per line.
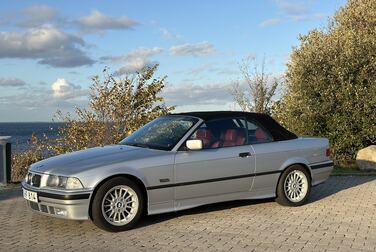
<point>278,132</point>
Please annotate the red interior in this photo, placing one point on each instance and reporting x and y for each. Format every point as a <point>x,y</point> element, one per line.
<point>260,135</point>
<point>204,135</point>
<point>234,137</point>
<point>230,137</point>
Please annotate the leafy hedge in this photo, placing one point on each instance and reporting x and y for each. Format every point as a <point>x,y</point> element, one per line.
<point>331,82</point>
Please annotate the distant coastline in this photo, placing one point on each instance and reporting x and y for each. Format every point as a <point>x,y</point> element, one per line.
<point>32,122</point>
<point>21,132</point>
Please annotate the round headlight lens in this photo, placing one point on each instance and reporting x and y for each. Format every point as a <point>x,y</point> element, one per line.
<point>52,181</point>
<point>62,182</point>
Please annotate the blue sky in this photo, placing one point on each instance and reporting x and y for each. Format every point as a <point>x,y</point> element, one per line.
<point>50,49</point>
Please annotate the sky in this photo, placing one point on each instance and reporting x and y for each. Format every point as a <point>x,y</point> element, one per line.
<point>49,50</point>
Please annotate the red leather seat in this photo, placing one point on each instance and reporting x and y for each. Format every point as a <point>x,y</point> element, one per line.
<point>233,137</point>
<point>240,140</point>
<point>260,135</point>
<point>205,135</point>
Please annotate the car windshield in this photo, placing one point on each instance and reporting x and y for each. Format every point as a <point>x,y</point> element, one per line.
<point>162,133</point>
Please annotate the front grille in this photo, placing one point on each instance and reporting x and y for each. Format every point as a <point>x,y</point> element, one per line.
<point>34,206</point>
<point>43,208</point>
<point>33,179</point>
<point>51,210</point>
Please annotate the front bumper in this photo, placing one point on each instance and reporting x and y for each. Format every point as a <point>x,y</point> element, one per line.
<point>67,205</point>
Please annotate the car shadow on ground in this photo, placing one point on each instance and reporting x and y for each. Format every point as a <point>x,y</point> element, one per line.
<point>337,184</point>
<point>146,220</point>
<point>332,186</point>
<point>10,193</point>
<point>154,219</point>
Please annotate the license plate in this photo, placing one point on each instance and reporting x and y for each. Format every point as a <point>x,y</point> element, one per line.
<point>32,196</point>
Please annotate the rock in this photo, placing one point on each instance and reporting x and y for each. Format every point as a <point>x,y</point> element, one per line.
<point>366,158</point>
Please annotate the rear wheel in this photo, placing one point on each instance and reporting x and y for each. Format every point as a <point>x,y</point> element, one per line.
<point>117,205</point>
<point>294,186</point>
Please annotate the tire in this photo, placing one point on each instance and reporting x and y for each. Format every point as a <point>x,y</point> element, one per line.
<point>117,205</point>
<point>294,186</point>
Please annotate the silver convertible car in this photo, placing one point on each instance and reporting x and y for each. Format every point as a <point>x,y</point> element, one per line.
<point>176,162</point>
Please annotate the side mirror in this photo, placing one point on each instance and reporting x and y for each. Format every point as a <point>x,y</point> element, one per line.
<point>195,144</point>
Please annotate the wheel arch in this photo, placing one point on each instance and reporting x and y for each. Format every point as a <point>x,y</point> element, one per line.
<point>302,164</point>
<point>137,180</point>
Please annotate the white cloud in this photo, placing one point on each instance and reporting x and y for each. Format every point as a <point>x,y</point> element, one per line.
<point>293,11</point>
<point>144,52</point>
<point>97,21</point>
<point>292,7</point>
<point>193,94</point>
<point>30,101</point>
<point>37,15</point>
<point>64,89</point>
<point>40,11</point>
<point>11,82</point>
<point>135,60</point>
<point>199,49</point>
<point>47,44</point>
<point>309,17</point>
<point>137,53</point>
<point>28,105</point>
<point>135,65</point>
<point>206,67</point>
<point>270,22</point>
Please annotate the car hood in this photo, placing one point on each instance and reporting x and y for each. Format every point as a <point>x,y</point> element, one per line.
<point>76,162</point>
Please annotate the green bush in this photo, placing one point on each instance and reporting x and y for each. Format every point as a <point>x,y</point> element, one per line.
<point>331,82</point>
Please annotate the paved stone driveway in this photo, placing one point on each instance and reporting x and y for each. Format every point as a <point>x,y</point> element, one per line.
<point>339,217</point>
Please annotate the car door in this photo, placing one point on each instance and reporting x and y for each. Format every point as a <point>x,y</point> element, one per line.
<point>224,166</point>
<point>269,155</point>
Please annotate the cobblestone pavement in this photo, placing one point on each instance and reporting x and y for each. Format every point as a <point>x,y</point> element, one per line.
<point>340,216</point>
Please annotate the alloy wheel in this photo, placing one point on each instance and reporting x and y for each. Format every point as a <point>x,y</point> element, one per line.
<point>296,186</point>
<point>120,205</point>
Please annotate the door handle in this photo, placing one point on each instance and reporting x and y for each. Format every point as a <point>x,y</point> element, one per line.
<point>245,154</point>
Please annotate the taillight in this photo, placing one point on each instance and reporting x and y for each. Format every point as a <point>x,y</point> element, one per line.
<point>327,152</point>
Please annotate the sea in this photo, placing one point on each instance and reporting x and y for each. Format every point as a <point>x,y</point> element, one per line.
<point>20,132</point>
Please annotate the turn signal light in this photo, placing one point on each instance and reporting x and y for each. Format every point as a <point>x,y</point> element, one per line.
<point>61,212</point>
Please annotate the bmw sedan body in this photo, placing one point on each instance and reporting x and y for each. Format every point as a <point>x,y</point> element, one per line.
<point>176,162</point>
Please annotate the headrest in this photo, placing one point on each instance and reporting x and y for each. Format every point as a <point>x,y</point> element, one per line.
<point>260,135</point>
<point>203,133</point>
<point>231,135</point>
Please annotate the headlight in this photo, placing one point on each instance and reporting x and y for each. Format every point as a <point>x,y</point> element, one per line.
<point>62,182</point>
<point>27,178</point>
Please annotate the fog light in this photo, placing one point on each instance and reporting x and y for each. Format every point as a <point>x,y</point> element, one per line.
<point>61,212</point>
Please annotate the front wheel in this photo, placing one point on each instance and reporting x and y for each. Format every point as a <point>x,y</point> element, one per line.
<point>294,186</point>
<point>117,205</point>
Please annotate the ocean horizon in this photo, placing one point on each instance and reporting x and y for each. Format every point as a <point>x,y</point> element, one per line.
<point>21,132</point>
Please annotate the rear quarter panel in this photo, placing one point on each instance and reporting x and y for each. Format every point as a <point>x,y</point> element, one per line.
<point>273,158</point>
